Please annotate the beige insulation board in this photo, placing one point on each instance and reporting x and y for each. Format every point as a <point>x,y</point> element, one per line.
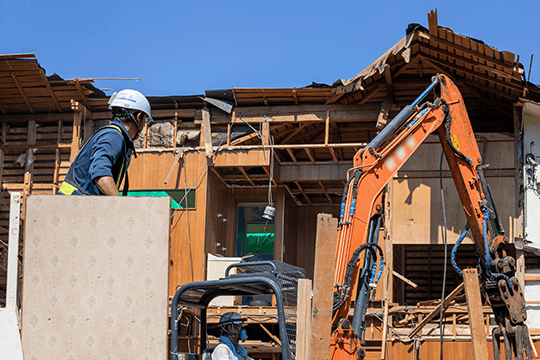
<point>95,278</point>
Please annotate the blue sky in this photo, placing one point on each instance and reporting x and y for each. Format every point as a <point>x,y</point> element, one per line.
<point>187,47</point>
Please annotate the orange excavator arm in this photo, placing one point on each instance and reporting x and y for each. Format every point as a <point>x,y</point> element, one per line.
<point>362,208</point>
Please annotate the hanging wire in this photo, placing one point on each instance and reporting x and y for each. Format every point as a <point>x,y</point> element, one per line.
<point>441,323</point>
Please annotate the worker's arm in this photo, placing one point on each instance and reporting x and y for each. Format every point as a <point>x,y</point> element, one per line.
<point>106,151</point>
<point>107,185</point>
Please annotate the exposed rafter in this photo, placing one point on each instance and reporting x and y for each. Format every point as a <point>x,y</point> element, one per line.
<point>325,192</point>
<point>303,192</point>
<point>246,175</point>
<point>21,91</point>
<point>50,90</point>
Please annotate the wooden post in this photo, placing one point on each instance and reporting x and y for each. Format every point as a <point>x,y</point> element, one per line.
<point>76,141</point>
<point>56,175</point>
<point>303,326</point>
<point>323,286</point>
<point>476,317</point>
<point>145,140</point>
<point>175,132</point>
<point>60,132</point>
<point>327,128</point>
<point>207,132</point>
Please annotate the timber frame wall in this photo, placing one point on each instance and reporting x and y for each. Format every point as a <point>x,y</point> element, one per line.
<point>312,134</point>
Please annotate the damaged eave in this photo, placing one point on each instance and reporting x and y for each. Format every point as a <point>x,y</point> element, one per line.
<point>439,50</point>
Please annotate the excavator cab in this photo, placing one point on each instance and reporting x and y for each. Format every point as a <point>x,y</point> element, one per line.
<point>254,278</point>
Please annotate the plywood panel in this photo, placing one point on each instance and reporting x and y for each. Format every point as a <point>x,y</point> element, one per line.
<point>95,280</point>
<point>417,216</point>
<point>498,153</point>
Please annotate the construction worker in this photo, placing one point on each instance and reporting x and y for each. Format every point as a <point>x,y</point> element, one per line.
<point>232,330</point>
<point>103,161</point>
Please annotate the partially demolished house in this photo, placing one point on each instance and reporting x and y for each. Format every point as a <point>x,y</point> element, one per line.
<point>224,156</point>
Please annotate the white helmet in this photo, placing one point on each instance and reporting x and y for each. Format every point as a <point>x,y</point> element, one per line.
<point>131,99</point>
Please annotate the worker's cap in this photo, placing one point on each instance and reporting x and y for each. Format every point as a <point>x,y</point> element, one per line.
<point>231,318</point>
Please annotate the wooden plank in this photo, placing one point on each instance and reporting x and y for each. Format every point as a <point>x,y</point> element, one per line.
<point>404,279</point>
<point>21,91</point>
<point>432,21</point>
<point>303,113</point>
<point>436,311</point>
<point>207,131</point>
<point>50,90</point>
<point>327,128</point>
<point>56,175</point>
<point>31,140</point>
<point>303,325</point>
<point>474,305</point>
<point>75,143</point>
<point>323,286</point>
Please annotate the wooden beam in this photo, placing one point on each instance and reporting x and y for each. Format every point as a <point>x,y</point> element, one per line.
<point>2,108</point>
<point>292,155</point>
<point>21,91</point>
<point>268,174</point>
<point>404,279</point>
<point>303,192</point>
<point>81,92</point>
<point>472,72</point>
<point>319,171</point>
<point>491,102</point>
<point>300,127</point>
<point>302,113</point>
<point>56,175</point>
<point>444,44</point>
<point>327,128</point>
<point>75,143</point>
<point>207,132</point>
<point>325,192</point>
<point>436,311</point>
<point>323,286</point>
<point>50,90</point>
<point>474,305</point>
<point>246,175</point>
<point>333,155</point>
<point>308,152</point>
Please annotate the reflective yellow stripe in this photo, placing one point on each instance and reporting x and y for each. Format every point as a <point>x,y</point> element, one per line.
<point>123,162</point>
<point>120,175</point>
<point>67,189</point>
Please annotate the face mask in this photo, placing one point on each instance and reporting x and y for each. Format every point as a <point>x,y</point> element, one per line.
<point>243,335</point>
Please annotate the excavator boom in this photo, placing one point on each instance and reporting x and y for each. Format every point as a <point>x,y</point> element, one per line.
<point>362,208</point>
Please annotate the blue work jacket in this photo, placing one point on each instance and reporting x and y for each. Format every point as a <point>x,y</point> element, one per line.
<point>107,153</point>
